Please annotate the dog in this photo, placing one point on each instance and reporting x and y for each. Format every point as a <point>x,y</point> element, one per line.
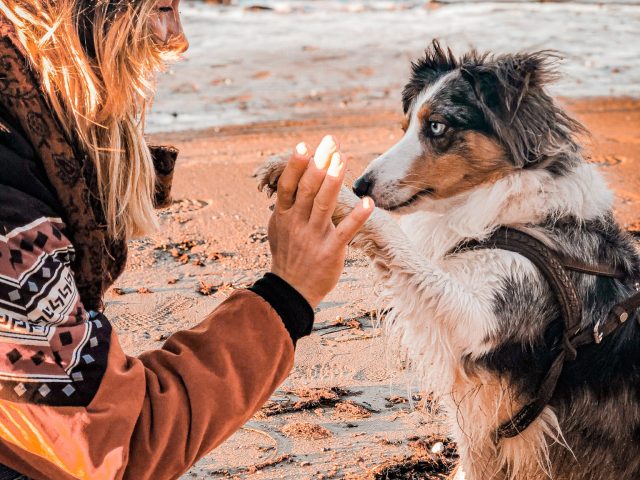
<point>486,147</point>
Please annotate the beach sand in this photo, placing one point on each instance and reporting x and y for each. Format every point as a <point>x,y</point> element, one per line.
<point>347,408</point>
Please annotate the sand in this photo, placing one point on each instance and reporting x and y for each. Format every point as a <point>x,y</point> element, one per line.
<point>343,412</point>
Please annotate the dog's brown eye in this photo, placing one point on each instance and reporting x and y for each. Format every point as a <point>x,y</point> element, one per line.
<point>437,128</point>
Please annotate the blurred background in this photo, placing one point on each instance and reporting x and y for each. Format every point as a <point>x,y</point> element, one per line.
<point>252,61</point>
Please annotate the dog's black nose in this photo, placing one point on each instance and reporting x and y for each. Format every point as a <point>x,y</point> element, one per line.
<point>363,186</point>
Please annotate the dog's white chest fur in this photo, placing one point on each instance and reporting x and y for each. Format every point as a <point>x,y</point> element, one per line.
<point>442,307</point>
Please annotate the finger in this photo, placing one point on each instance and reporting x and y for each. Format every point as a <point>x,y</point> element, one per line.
<point>293,172</point>
<point>313,177</point>
<point>327,197</point>
<point>347,229</point>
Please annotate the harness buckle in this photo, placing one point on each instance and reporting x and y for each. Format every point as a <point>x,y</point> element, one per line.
<point>621,313</point>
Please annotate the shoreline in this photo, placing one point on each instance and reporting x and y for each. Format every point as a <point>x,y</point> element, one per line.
<point>299,69</point>
<point>376,115</point>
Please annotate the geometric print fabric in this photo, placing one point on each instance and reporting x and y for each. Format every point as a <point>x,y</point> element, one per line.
<point>52,351</point>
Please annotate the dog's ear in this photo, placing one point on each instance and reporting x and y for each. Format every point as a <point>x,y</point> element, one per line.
<point>510,90</point>
<point>502,83</point>
<point>437,61</point>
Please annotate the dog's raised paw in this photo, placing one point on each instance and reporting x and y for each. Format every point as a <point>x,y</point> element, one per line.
<point>269,173</point>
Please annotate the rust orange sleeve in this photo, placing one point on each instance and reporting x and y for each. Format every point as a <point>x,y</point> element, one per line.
<point>206,383</point>
<point>155,415</point>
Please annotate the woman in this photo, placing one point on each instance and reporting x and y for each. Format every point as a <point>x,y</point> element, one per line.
<point>76,181</point>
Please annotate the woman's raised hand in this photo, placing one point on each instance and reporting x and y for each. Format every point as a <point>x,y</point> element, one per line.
<point>308,250</point>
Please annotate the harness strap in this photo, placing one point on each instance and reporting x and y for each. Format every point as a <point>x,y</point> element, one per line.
<point>619,314</point>
<point>546,260</point>
<point>553,268</point>
<point>599,270</point>
<point>532,410</point>
<point>550,265</point>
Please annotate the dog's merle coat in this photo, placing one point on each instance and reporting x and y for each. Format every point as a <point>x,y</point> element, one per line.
<point>480,326</point>
<point>597,399</point>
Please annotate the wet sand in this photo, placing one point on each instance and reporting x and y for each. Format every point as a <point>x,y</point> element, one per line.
<point>359,413</point>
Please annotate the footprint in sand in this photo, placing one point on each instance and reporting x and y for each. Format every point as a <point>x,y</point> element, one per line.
<point>164,314</point>
<point>608,160</point>
<point>326,372</point>
<point>185,205</point>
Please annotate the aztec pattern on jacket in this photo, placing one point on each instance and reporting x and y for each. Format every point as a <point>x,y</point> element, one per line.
<point>52,351</point>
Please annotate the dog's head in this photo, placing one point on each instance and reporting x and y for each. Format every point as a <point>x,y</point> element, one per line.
<point>470,121</point>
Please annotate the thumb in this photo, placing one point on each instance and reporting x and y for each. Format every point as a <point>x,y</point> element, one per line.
<point>347,228</point>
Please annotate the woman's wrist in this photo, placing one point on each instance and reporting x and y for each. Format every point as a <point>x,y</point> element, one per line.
<point>309,294</point>
<point>293,308</point>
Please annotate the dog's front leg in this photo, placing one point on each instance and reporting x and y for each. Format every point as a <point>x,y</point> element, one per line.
<point>382,240</point>
<point>441,298</point>
<point>441,313</point>
<point>453,297</point>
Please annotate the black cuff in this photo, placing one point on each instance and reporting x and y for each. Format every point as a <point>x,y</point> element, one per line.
<point>294,310</point>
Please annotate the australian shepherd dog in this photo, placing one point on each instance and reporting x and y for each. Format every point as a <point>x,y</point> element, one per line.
<point>485,147</point>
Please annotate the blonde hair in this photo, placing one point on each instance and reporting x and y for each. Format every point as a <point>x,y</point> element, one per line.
<point>99,87</point>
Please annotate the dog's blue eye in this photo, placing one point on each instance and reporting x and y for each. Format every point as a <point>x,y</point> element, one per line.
<point>437,128</point>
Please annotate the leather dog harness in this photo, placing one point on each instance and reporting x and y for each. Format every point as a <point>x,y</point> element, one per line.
<point>553,267</point>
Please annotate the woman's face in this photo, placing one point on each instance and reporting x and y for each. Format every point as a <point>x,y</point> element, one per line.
<point>166,25</point>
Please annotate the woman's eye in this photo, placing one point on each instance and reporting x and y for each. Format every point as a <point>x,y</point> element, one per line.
<point>437,128</point>
<point>165,9</point>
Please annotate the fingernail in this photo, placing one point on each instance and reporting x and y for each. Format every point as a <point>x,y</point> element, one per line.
<point>301,149</point>
<point>336,166</point>
<point>323,154</point>
<point>367,203</point>
<point>329,141</point>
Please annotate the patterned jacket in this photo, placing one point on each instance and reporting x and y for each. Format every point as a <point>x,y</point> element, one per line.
<point>72,403</point>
